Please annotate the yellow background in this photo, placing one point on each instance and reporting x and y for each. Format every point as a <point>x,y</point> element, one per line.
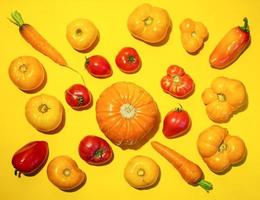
<point>107,182</point>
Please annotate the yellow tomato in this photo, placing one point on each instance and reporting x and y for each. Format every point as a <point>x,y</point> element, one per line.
<point>141,172</point>
<point>82,34</point>
<point>44,112</point>
<point>148,23</point>
<point>63,172</point>
<point>193,35</point>
<point>27,73</point>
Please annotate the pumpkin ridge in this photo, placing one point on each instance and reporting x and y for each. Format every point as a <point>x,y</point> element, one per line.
<point>145,104</point>
<point>141,94</point>
<point>112,124</point>
<point>122,99</point>
<point>142,114</point>
<point>118,123</point>
<point>137,122</point>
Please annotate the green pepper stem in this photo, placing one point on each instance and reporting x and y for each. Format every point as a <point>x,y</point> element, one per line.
<point>205,185</point>
<point>245,27</point>
<point>16,18</point>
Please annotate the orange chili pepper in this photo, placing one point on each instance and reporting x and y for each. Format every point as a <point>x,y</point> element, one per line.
<point>231,46</point>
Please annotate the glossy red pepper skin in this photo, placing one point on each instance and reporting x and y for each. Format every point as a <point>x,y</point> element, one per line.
<point>231,46</point>
<point>177,83</point>
<point>30,158</point>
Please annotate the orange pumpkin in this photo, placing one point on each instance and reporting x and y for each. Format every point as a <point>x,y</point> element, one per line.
<point>126,113</point>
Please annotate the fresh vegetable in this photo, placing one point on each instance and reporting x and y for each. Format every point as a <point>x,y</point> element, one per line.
<point>231,46</point>
<point>219,149</point>
<point>95,150</point>
<point>128,60</point>
<point>78,97</point>
<point>224,98</point>
<point>98,66</point>
<point>177,83</point>
<point>126,114</point>
<point>176,123</point>
<point>64,173</point>
<point>82,34</point>
<point>189,171</point>
<point>193,35</point>
<point>30,158</point>
<point>44,112</point>
<point>36,40</point>
<point>148,23</point>
<point>141,172</point>
<point>27,73</point>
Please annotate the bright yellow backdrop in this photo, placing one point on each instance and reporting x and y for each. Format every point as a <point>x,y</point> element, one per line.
<point>50,19</point>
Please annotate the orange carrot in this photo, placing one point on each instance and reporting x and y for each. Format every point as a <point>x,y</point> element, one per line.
<point>30,34</point>
<point>189,171</point>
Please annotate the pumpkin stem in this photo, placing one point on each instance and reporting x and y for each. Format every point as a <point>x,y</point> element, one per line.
<point>127,111</point>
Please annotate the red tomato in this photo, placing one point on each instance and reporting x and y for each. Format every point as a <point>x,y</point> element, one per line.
<point>177,83</point>
<point>98,66</point>
<point>95,150</point>
<point>30,158</point>
<point>128,60</point>
<point>78,97</point>
<point>176,123</point>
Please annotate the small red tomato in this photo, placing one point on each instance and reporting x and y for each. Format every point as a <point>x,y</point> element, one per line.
<point>95,150</point>
<point>176,123</point>
<point>128,60</point>
<point>98,66</point>
<point>177,83</point>
<point>78,97</point>
<point>30,158</point>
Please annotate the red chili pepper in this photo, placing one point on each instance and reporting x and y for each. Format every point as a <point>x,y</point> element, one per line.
<point>30,158</point>
<point>231,46</point>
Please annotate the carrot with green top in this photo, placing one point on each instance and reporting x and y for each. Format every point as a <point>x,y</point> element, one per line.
<point>30,34</point>
<point>189,171</point>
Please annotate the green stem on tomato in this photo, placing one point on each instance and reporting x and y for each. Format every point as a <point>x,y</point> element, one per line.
<point>99,153</point>
<point>179,108</point>
<point>131,59</point>
<point>245,27</point>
